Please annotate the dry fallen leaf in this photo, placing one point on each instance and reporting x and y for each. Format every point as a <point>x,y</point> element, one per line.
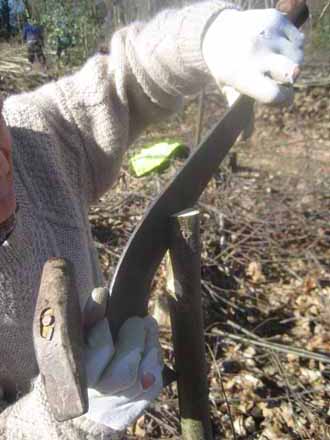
<point>240,427</point>
<point>139,431</point>
<point>254,271</point>
<point>310,283</point>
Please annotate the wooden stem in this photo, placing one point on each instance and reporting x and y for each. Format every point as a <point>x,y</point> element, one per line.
<point>199,120</point>
<point>184,287</point>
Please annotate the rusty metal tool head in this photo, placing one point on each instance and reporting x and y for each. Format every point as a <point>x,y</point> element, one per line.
<point>58,340</point>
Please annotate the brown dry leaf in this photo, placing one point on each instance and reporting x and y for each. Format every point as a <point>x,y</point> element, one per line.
<point>240,427</point>
<point>274,433</point>
<point>139,430</point>
<point>250,425</point>
<point>319,342</point>
<point>310,283</point>
<point>254,271</point>
<point>246,404</point>
<point>308,376</point>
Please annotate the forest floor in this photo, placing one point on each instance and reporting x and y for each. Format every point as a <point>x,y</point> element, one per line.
<point>265,261</point>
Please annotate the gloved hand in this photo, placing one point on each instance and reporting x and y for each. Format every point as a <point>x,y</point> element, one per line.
<point>258,52</point>
<point>122,380</point>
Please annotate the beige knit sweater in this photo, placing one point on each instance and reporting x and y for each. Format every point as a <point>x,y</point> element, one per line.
<point>69,138</point>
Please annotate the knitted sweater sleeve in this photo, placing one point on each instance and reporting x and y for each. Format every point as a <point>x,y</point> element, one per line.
<point>94,115</point>
<point>150,67</point>
<point>31,418</point>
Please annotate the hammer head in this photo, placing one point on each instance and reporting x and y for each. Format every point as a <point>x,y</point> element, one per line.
<point>58,341</point>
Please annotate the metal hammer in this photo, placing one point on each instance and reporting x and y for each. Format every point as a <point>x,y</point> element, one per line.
<point>58,340</point>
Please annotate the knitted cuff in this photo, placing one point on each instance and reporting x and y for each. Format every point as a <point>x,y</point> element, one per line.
<point>197,19</point>
<point>167,53</point>
<point>31,418</point>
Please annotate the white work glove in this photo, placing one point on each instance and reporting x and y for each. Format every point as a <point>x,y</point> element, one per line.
<point>258,52</point>
<point>122,380</point>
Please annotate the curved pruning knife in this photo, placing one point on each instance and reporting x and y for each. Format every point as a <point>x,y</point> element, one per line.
<point>57,323</point>
<point>130,285</point>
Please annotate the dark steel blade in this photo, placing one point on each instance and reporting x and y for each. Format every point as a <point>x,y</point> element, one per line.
<point>130,285</point>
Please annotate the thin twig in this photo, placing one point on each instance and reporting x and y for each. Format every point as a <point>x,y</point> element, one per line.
<point>273,346</point>
<point>160,422</point>
<point>324,10</point>
<point>223,391</point>
<point>288,390</point>
<point>267,399</point>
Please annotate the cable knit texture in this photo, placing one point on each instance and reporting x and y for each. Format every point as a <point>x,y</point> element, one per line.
<point>69,138</point>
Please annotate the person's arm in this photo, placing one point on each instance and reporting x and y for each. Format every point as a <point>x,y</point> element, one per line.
<point>31,418</point>
<point>87,121</point>
<point>150,67</point>
<point>106,104</point>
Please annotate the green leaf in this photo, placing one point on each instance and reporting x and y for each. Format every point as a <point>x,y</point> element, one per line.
<point>153,157</point>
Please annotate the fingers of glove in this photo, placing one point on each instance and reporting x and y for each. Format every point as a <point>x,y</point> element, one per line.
<point>151,369</point>
<point>152,361</point>
<point>131,335</point>
<point>115,412</point>
<point>280,68</point>
<point>152,334</point>
<point>120,410</point>
<point>156,368</point>
<point>271,22</point>
<point>98,352</point>
<point>148,377</point>
<point>129,412</point>
<point>95,307</point>
<point>263,89</point>
<point>122,373</point>
<point>281,45</point>
<point>293,34</point>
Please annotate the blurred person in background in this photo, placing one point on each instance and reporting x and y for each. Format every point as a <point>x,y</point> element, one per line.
<point>34,39</point>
